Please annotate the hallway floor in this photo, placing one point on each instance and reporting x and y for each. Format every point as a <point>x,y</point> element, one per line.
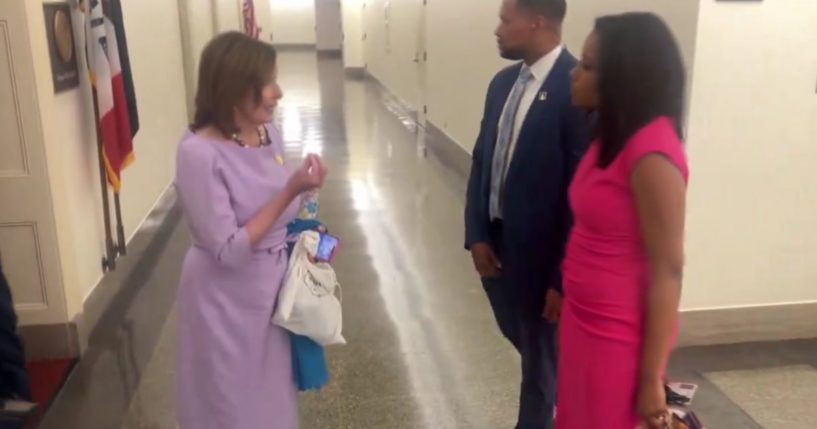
<point>423,352</point>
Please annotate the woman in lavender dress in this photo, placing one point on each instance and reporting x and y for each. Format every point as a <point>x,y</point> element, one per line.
<point>234,366</point>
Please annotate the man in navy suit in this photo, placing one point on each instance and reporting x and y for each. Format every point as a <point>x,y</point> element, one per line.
<point>517,216</point>
<point>13,379</point>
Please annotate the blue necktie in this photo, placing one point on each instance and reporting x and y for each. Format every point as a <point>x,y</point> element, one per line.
<point>503,143</point>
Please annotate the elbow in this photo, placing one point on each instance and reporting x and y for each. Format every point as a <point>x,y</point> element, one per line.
<point>668,276</point>
<point>668,269</point>
<point>233,251</point>
<point>675,269</point>
<point>231,260</point>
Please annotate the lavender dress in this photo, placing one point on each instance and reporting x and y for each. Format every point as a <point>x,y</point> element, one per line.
<point>234,366</point>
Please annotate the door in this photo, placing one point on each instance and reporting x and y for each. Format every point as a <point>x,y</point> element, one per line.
<point>421,60</point>
<point>328,25</point>
<point>28,241</point>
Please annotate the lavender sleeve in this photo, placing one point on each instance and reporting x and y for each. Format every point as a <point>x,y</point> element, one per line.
<point>205,200</point>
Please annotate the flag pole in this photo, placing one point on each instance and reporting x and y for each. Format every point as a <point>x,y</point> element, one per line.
<point>109,260</point>
<point>118,247</point>
<point>122,248</point>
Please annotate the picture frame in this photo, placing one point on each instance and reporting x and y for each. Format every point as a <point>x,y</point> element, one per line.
<point>61,47</point>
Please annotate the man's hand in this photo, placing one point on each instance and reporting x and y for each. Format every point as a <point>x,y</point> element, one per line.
<point>485,260</point>
<point>553,306</point>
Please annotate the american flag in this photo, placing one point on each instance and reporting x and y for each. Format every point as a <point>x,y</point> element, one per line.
<point>251,28</point>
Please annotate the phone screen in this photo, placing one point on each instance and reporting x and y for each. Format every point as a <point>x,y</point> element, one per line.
<point>327,247</point>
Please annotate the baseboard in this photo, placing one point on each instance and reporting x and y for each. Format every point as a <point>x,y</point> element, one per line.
<point>356,73</point>
<point>445,149</point>
<point>330,53</point>
<point>748,324</point>
<point>400,108</point>
<point>296,47</point>
<point>450,153</point>
<point>47,342</point>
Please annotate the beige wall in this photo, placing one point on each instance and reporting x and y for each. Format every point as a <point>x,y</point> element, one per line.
<point>328,27</point>
<point>228,14</point>
<point>752,236</point>
<point>62,135</point>
<point>201,29</point>
<point>462,54</point>
<point>752,126</point>
<point>352,15</point>
<point>462,59</point>
<point>293,22</point>
<point>680,15</point>
<point>71,143</point>
<point>263,15</point>
<point>197,29</point>
<point>391,45</point>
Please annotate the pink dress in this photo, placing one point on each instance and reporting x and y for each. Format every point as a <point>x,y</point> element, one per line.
<point>606,277</point>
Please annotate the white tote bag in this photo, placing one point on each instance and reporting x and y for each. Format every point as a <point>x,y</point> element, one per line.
<point>307,304</point>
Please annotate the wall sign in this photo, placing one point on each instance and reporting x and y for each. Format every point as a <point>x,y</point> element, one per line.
<point>60,34</point>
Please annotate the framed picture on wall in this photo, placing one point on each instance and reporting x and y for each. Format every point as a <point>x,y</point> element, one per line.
<point>61,48</point>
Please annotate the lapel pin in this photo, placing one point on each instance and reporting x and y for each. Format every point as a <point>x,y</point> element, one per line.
<point>543,96</point>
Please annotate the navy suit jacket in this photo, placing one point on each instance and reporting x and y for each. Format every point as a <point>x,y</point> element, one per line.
<point>536,214</point>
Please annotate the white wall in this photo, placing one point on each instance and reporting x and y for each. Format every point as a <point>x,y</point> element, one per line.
<point>462,53</point>
<point>462,59</point>
<point>228,14</point>
<point>63,136</point>
<point>391,45</point>
<point>328,27</point>
<point>752,236</point>
<point>71,143</point>
<point>752,126</point>
<point>293,22</point>
<point>352,11</point>
<point>263,16</point>
<point>197,21</point>
<point>680,15</point>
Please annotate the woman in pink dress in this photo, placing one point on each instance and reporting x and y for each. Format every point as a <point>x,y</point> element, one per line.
<point>624,262</point>
<point>234,366</point>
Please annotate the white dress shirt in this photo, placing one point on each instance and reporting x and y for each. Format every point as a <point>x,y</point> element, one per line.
<point>540,71</point>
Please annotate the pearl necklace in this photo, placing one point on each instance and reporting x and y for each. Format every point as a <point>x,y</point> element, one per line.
<point>263,138</point>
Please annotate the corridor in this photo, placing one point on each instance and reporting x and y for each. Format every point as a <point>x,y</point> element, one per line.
<point>423,348</point>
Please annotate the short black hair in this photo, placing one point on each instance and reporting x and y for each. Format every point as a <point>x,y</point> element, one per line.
<point>553,9</point>
<point>641,77</point>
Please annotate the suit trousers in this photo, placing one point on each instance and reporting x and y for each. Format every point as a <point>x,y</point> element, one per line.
<point>532,336</point>
<point>13,377</point>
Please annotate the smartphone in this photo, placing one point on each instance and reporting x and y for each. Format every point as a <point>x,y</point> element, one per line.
<point>327,247</point>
